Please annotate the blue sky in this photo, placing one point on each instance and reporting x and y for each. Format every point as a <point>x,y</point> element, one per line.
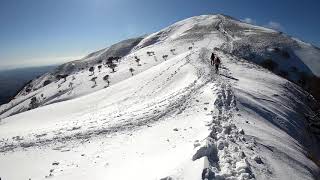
<point>42,32</point>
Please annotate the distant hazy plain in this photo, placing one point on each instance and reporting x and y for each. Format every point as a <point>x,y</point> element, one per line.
<point>11,81</point>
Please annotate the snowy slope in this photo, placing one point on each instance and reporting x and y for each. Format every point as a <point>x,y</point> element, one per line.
<point>174,118</point>
<point>294,59</point>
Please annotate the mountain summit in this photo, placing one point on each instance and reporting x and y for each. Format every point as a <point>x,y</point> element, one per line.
<point>153,107</point>
<point>286,56</point>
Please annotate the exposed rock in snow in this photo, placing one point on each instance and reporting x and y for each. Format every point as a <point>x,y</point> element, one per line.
<point>55,163</point>
<point>257,159</point>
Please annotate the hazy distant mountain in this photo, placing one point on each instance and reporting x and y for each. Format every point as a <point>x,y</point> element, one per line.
<point>12,81</point>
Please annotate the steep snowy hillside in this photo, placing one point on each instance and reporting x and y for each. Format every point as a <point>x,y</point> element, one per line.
<point>171,117</point>
<point>286,56</point>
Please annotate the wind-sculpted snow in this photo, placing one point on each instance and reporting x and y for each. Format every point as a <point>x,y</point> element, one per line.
<point>291,58</point>
<point>171,116</point>
<point>224,148</point>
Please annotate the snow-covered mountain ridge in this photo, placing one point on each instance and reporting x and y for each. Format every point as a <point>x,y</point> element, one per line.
<point>286,56</point>
<point>291,58</point>
<point>171,117</point>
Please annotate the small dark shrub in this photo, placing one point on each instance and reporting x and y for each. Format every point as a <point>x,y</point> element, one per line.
<point>46,82</point>
<point>62,76</point>
<point>137,60</point>
<point>131,70</point>
<point>91,69</point>
<point>106,78</point>
<point>117,58</point>
<point>165,57</point>
<point>112,66</point>
<point>33,103</point>
<point>150,53</point>
<point>94,80</point>
<point>28,89</point>
<point>99,67</point>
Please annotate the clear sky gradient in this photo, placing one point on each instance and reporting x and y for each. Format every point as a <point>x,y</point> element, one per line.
<point>43,32</point>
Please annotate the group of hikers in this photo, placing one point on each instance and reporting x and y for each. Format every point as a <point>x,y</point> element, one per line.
<point>215,61</point>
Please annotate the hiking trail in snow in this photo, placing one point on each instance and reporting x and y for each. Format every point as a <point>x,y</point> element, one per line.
<point>172,119</point>
<point>224,147</point>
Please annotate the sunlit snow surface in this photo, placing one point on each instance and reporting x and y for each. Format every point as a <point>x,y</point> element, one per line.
<point>172,119</point>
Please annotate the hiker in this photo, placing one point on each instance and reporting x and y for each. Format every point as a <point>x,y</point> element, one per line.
<point>212,59</point>
<point>217,63</point>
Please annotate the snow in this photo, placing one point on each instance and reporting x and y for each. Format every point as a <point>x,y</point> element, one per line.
<point>78,109</point>
<point>217,30</point>
<point>310,56</point>
<point>173,119</point>
<point>272,107</point>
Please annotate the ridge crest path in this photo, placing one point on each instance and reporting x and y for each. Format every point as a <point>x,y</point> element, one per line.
<point>227,148</point>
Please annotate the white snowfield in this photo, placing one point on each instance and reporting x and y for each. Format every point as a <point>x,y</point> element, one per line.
<point>173,119</point>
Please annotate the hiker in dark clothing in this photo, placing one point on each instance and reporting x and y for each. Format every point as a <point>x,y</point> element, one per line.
<point>212,59</point>
<point>217,63</point>
<point>207,174</point>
